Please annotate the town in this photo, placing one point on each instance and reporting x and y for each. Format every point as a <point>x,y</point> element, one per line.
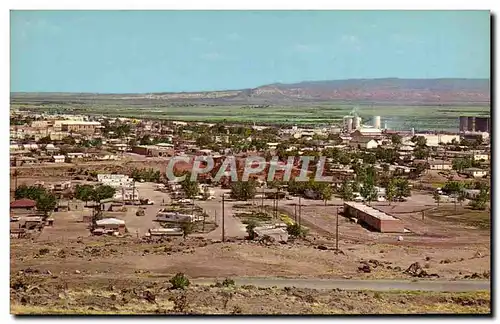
<point>79,178</point>
<point>232,162</point>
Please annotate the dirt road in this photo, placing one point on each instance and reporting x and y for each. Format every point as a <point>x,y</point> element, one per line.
<point>376,285</point>
<point>233,226</point>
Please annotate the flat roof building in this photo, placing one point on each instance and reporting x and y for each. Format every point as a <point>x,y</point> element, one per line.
<point>374,218</point>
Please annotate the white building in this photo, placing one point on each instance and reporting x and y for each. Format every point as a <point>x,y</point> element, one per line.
<point>58,158</point>
<point>481,156</point>
<point>364,143</point>
<point>440,165</point>
<point>115,180</point>
<point>476,172</point>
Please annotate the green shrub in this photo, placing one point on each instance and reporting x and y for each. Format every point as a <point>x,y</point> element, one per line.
<point>179,281</point>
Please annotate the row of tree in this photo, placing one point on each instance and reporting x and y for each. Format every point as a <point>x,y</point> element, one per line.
<point>97,193</point>
<point>46,202</point>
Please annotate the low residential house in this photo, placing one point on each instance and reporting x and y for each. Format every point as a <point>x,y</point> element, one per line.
<point>51,149</point>
<point>277,234</point>
<point>272,146</point>
<point>76,155</point>
<point>31,222</point>
<point>58,158</point>
<point>471,193</point>
<point>121,147</point>
<point>440,165</point>
<point>475,172</point>
<point>165,216</point>
<point>366,143</point>
<point>22,205</point>
<point>110,226</point>
<point>481,157</point>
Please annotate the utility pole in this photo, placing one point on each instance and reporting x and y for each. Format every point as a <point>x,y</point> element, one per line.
<point>277,202</point>
<point>337,232</point>
<point>133,193</point>
<point>15,175</point>
<point>300,210</point>
<point>223,234</point>
<point>295,213</point>
<point>262,202</point>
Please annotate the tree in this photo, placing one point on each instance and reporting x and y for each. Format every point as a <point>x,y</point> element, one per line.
<point>31,192</point>
<point>203,140</point>
<point>84,193</point>
<point>344,158</point>
<point>390,191</point>
<point>402,188</point>
<point>346,191</point>
<point>437,197</point>
<point>45,140</point>
<point>396,139</point>
<point>421,153</point>
<point>251,225</point>
<point>479,202</point>
<point>187,228</point>
<point>69,140</point>
<point>102,192</point>
<point>295,230</point>
<point>368,192</point>
<point>419,141</point>
<point>145,140</point>
<point>369,158</point>
<point>191,188</point>
<point>243,190</point>
<point>326,193</point>
<point>355,186</point>
<point>46,203</point>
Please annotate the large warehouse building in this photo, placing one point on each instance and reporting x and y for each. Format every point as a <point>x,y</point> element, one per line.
<point>374,218</point>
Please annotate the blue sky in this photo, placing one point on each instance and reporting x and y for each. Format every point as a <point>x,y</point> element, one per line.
<point>160,51</point>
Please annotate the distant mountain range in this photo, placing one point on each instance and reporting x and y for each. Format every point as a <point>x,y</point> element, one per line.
<point>374,91</point>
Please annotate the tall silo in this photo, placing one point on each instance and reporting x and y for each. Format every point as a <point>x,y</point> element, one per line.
<point>377,122</point>
<point>463,123</point>
<point>482,124</point>
<point>356,122</point>
<point>348,121</point>
<point>471,124</point>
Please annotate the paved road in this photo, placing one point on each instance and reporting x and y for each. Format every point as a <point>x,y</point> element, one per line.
<point>347,284</point>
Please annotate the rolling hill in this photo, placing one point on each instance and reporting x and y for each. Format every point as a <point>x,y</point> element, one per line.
<point>373,91</point>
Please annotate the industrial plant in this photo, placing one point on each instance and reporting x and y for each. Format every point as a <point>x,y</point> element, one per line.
<point>470,124</point>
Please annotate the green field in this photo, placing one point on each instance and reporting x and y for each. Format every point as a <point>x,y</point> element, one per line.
<point>396,117</point>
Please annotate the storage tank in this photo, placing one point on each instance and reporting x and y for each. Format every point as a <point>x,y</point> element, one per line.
<point>482,124</point>
<point>471,124</point>
<point>348,121</point>
<point>376,122</point>
<point>463,123</point>
<point>356,122</point>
